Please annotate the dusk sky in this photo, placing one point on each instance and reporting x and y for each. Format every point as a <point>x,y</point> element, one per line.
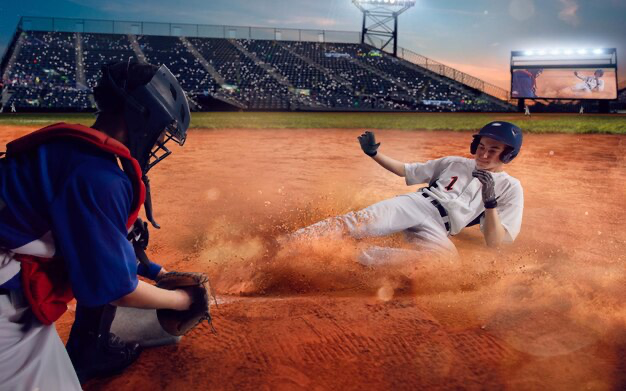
<point>473,36</point>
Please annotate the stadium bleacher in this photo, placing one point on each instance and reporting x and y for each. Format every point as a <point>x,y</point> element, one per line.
<point>252,74</point>
<point>313,86</point>
<point>44,75</point>
<point>242,77</point>
<point>99,49</point>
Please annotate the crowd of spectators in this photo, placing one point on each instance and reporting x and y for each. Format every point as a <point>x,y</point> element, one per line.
<point>242,77</point>
<point>50,98</point>
<point>313,86</point>
<point>45,58</point>
<point>101,49</point>
<point>312,75</point>
<point>183,64</point>
<point>431,92</point>
<point>339,60</point>
<point>44,74</point>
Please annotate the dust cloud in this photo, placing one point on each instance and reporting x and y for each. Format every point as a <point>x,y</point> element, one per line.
<point>556,294</point>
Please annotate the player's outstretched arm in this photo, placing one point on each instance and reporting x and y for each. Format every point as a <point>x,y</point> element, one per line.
<point>370,148</point>
<point>393,165</point>
<point>150,297</point>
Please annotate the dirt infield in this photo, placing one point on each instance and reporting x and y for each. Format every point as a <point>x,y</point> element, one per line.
<point>544,313</point>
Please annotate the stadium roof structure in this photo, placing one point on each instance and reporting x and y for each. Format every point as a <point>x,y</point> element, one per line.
<point>380,21</point>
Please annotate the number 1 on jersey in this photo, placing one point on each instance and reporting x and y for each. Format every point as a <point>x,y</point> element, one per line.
<point>452,181</point>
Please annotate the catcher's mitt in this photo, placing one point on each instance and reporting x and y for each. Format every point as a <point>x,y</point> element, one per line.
<point>197,285</point>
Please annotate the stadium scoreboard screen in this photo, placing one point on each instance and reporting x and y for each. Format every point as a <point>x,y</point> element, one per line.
<point>564,74</point>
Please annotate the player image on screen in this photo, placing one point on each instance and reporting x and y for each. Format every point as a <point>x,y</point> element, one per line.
<point>589,83</point>
<point>524,83</point>
<point>566,83</point>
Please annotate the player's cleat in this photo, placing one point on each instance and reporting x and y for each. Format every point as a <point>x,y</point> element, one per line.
<point>100,355</point>
<point>93,349</point>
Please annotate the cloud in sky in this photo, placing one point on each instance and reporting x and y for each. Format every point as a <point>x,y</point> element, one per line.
<point>522,9</point>
<point>458,11</point>
<point>268,13</point>
<point>569,12</point>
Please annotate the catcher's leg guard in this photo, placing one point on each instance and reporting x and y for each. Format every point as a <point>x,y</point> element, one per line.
<point>141,326</point>
<point>93,349</point>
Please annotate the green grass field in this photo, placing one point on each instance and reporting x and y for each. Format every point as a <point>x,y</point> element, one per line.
<point>537,123</point>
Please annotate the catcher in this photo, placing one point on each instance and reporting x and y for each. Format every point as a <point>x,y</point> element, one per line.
<point>68,196</point>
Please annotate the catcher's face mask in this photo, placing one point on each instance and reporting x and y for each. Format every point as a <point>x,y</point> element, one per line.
<point>157,107</point>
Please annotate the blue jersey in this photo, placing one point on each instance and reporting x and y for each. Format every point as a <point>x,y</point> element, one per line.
<point>75,196</point>
<point>523,84</point>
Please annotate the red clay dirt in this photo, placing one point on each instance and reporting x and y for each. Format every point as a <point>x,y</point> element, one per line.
<point>544,313</point>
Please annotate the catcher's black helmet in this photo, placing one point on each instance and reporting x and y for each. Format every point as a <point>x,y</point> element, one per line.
<point>151,100</point>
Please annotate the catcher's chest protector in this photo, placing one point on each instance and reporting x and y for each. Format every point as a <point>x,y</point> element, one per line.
<point>44,280</point>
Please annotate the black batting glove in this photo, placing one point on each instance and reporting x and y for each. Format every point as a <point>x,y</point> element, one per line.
<point>488,188</point>
<point>368,143</point>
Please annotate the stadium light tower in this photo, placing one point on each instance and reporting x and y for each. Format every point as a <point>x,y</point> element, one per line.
<point>380,20</point>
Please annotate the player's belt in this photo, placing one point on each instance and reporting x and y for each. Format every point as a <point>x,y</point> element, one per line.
<point>441,209</point>
<point>4,291</point>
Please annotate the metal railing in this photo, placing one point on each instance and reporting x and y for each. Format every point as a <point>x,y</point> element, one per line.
<point>453,74</point>
<point>67,25</point>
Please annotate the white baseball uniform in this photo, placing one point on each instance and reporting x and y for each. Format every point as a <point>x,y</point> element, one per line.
<point>32,355</point>
<point>428,217</point>
<point>589,83</point>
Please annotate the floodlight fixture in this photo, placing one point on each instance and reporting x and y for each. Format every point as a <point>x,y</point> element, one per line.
<point>568,52</point>
<point>380,21</point>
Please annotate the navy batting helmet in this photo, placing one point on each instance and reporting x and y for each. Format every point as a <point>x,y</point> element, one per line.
<point>505,132</point>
